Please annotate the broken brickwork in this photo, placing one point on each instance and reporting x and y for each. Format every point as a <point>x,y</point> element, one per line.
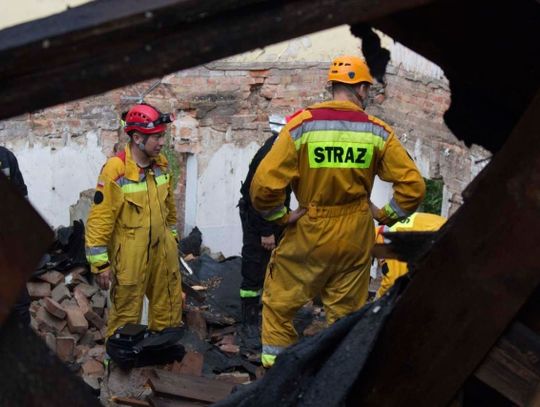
<point>228,103</point>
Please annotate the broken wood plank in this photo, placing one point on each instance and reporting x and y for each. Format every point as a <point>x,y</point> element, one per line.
<point>468,288</point>
<point>157,401</point>
<point>24,237</point>
<point>191,387</point>
<point>126,401</point>
<point>512,367</point>
<point>99,46</point>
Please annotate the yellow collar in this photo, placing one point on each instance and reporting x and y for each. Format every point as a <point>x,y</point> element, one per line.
<point>132,169</point>
<point>337,104</point>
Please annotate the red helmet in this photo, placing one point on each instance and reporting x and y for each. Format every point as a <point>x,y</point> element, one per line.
<point>146,119</point>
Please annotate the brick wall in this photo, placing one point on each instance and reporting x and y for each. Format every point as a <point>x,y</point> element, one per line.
<point>228,103</point>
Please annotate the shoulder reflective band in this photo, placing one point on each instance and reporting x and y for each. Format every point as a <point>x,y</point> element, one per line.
<point>331,154</point>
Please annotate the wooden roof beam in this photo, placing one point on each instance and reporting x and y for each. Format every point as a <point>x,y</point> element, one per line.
<point>112,43</point>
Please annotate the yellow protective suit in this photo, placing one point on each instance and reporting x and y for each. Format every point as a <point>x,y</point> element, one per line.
<point>329,154</point>
<point>417,222</point>
<point>132,226</point>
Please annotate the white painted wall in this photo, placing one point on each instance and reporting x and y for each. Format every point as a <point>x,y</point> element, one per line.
<point>218,192</point>
<point>56,177</point>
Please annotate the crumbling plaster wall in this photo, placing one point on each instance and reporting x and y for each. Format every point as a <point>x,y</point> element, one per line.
<point>222,111</point>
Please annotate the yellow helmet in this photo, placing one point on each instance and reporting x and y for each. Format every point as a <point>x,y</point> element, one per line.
<point>349,69</point>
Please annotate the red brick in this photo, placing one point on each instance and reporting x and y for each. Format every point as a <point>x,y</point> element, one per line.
<point>88,338</point>
<point>82,299</point>
<point>81,353</point>
<point>38,290</point>
<point>54,308</point>
<point>191,364</point>
<point>93,368</point>
<point>87,289</point>
<point>65,347</point>
<point>97,353</point>
<point>76,321</point>
<point>98,303</point>
<point>47,323</point>
<point>95,319</point>
<point>60,293</point>
<point>53,277</point>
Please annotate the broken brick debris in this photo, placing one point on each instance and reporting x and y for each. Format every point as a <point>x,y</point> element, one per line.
<point>81,298</point>
<point>38,290</point>
<point>93,368</point>
<point>60,293</point>
<point>65,348</point>
<point>52,277</point>
<point>48,323</point>
<point>54,308</point>
<point>191,364</point>
<point>77,323</point>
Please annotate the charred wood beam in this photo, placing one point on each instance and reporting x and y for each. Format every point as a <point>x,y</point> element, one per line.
<point>405,246</point>
<point>480,113</point>
<point>469,287</point>
<point>24,238</point>
<point>107,44</point>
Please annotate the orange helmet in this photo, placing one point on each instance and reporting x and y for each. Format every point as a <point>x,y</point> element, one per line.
<point>349,69</point>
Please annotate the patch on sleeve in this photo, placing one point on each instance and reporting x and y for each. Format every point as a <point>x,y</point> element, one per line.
<point>98,197</point>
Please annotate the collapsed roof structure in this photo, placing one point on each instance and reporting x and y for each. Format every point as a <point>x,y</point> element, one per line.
<point>480,275</point>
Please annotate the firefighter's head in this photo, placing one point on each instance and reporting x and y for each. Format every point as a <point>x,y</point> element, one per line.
<point>146,127</point>
<point>350,75</point>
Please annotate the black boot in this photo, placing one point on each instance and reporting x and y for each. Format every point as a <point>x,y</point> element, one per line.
<point>250,333</point>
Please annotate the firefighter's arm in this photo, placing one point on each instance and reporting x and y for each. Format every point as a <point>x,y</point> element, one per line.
<point>107,201</point>
<point>275,172</point>
<point>171,206</point>
<point>397,167</point>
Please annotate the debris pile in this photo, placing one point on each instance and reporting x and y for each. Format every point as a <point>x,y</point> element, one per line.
<point>68,311</point>
<point>69,314</point>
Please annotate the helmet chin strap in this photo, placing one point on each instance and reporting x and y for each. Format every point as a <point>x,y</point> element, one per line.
<point>142,145</point>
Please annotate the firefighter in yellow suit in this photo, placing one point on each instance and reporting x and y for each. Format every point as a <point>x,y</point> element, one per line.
<point>329,153</point>
<point>131,240</point>
<point>417,222</point>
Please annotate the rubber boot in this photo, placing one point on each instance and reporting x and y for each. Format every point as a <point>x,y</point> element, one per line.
<point>250,332</point>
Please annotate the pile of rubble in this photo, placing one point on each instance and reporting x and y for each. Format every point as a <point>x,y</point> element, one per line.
<point>69,311</point>
<point>70,314</point>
